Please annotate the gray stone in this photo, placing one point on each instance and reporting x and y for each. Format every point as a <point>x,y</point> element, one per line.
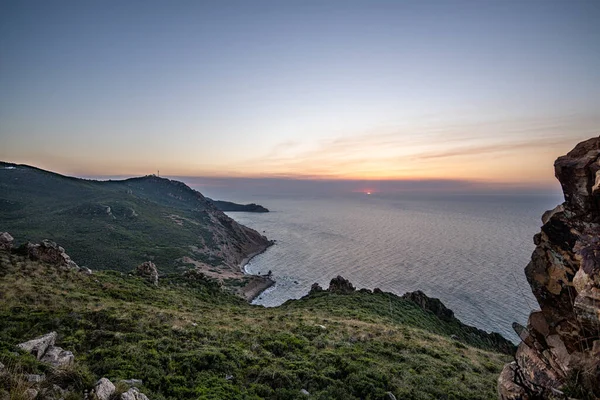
<point>6,241</point>
<point>133,394</point>
<point>58,357</point>
<point>38,346</point>
<point>304,392</point>
<point>104,389</point>
<point>390,396</point>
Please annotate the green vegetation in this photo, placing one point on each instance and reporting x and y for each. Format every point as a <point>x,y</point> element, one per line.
<point>188,339</point>
<point>120,224</point>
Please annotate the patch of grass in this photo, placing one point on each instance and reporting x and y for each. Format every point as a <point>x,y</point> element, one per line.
<point>189,339</point>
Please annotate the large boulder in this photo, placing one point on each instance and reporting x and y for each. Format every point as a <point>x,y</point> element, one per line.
<point>50,252</point>
<point>133,394</point>
<point>6,241</point>
<point>104,389</point>
<point>148,271</point>
<point>561,343</point>
<point>38,346</point>
<point>57,357</point>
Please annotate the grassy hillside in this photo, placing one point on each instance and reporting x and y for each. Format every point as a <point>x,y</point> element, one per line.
<point>187,339</point>
<point>119,224</point>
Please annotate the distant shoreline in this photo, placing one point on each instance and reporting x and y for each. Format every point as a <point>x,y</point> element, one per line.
<point>261,282</point>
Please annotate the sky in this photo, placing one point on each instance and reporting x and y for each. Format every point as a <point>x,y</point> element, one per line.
<point>468,90</point>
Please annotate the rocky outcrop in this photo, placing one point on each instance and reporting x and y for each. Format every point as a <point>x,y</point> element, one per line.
<point>430,304</point>
<point>51,253</point>
<point>340,285</point>
<point>38,346</point>
<point>148,271</point>
<point>44,350</point>
<point>133,394</point>
<point>104,389</point>
<point>57,357</point>
<point>6,241</point>
<point>560,348</point>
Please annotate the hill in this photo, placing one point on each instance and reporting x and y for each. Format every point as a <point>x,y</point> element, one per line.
<point>228,206</point>
<point>188,339</point>
<point>120,224</point>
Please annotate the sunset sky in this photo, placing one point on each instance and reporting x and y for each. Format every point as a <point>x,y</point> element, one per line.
<point>491,91</point>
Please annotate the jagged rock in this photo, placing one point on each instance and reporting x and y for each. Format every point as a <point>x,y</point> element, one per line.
<point>133,394</point>
<point>38,346</point>
<point>6,241</point>
<point>315,288</point>
<point>304,392</point>
<point>508,389</point>
<point>49,252</point>
<point>340,285</point>
<point>104,389</point>
<point>148,271</point>
<point>564,275</point>
<point>430,304</point>
<point>57,357</point>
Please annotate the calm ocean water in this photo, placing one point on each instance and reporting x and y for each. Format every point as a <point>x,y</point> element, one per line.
<point>468,251</point>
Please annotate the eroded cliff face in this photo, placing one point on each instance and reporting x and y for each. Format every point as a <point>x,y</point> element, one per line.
<point>560,349</point>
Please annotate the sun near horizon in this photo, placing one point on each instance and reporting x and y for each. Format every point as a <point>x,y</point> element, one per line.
<point>486,92</point>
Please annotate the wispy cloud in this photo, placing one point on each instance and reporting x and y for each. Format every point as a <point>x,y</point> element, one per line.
<point>424,151</point>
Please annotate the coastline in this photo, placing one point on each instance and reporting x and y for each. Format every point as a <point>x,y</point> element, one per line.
<point>257,283</point>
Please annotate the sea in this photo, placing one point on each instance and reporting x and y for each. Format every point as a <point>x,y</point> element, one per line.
<point>467,250</point>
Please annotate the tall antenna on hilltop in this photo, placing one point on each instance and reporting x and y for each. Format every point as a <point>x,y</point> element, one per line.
<point>158,173</point>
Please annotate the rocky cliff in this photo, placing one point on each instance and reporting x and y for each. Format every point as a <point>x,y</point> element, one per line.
<point>559,354</point>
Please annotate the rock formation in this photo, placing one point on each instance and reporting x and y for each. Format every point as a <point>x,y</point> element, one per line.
<point>104,389</point>
<point>38,346</point>
<point>340,285</point>
<point>148,271</point>
<point>560,348</point>
<point>44,350</point>
<point>49,252</point>
<point>6,241</point>
<point>133,394</point>
<point>430,304</point>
